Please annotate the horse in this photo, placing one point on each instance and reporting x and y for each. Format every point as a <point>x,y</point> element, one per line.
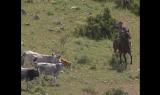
<point>123,45</point>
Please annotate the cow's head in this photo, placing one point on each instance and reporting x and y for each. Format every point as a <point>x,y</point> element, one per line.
<point>57,55</point>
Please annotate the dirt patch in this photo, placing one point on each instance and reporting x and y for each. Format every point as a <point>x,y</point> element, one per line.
<point>132,87</point>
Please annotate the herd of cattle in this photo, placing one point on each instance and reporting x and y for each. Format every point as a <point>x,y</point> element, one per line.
<point>34,65</point>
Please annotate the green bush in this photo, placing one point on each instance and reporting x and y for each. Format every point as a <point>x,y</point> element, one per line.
<point>93,67</point>
<point>116,65</point>
<point>50,13</point>
<point>115,92</point>
<point>82,59</point>
<point>100,0</point>
<point>134,6</point>
<point>99,27</point>
<point>90,90</point>
<point>103,0</point>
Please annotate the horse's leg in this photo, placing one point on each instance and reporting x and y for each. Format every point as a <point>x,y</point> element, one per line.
<point>125,58</point>
<point>120,55</point>
<point>121,2</point>
<point>130,57</point>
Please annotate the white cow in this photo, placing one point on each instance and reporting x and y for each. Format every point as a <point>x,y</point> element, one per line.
<point>30,57</point>
<point>50,69</point>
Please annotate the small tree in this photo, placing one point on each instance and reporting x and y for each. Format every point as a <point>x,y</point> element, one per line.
<point>99,27</point>
<point>115,92</point>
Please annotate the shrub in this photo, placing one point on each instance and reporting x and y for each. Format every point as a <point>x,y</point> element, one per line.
<point>50,13</point>
<point>134,6</point>
<point>115,92</point>
<point>63,39</point>
<point>99,27</point>
<point>93,67</point>
<point>82,59</point>
<point>90,90</point>
<point>40,90</point>
<point>78,42</point>
<point>100,0</point>
<point>116,65</point>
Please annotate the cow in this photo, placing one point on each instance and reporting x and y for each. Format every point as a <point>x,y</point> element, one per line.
<point>29,58</point>
<point>28,74</point>
<point>50,69</point>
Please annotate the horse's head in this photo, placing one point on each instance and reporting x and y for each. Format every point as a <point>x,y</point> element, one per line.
<point>118,25</point>
<point>126,34</point>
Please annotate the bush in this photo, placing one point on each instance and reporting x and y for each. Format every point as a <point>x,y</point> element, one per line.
<point>115,92</point>
<point>103,0</point>
<point>50,13</point>
<point>116,65</point>
<point>82,59</point>
<point>134,6</point>
<point>93,67</point>
<point>100,0</point>
<point>40,90</point>
<point>99,27</point>
<point>78,42</point>
<point>90,90</point>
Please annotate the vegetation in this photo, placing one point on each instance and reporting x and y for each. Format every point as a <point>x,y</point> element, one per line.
<point>116,92</point>
<point>116,65</point>
<point>99,27</point>
<point>90,90</point>
<point>57,32</point>
<point>82,59</point>
<point>134,6</point>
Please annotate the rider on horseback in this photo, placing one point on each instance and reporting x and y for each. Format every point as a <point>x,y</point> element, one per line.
<point>127,36</point>
<point>124,33</point>
<point>122,44</point>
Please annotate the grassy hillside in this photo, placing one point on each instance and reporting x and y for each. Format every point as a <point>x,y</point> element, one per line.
<point>46,33</point>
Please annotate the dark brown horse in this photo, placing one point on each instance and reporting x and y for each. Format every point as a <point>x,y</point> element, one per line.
<point>123,46</point>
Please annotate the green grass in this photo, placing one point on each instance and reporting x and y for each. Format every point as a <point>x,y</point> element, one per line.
<point>38,38</point>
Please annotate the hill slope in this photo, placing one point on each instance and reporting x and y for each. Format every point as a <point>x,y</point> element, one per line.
<point>56,22</point>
